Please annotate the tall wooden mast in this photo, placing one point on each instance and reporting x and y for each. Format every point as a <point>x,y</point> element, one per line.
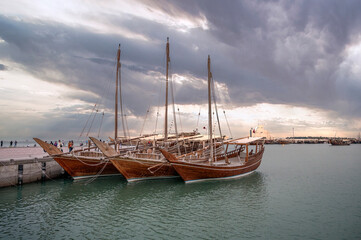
<point>210,108</point>
<point>121,97</point>
<point>116,101</point>
<point>166,94</point>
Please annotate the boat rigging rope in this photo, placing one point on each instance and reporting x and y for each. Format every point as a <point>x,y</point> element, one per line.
<point>157,117</point>
<point>229,129</point>
<point>104,92</point>
<point>127,135</point>
<point>101,123</point>
<point>224,112</point>
<point>156,122</point>
<point>145,119</point>
<point>174,112</point>
<point>96,111</point>
<point>180,120</point>
<point>87,121</point>
<point>170,127</point>
<point>215,106</point>
<point>199,114</point>
<point>121,103</point>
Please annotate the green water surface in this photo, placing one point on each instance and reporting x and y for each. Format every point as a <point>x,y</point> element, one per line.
<point>299,192</point>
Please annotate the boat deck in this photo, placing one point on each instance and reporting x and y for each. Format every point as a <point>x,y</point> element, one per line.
<point>234,161</point>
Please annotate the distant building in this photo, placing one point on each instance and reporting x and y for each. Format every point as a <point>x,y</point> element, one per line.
<point>259,131</point>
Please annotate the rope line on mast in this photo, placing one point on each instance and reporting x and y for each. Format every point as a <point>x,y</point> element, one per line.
<point>215,106</point>
<point>145,119</point>
<point>229,129</point>
<point>101,123</point>
<point>121,103</point>
<point>91,124</point>
<point>214,88</point>
<point>170,126</point>
<point>159,97</point>
<point>104,92</point>
<point>174,113</point>
<point>199,114</point>
<point>156,121</point>
<point>180,120</point>
<point>127,135</point>
<point>87,121</point>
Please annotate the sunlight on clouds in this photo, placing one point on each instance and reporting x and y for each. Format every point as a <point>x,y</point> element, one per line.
<point>75,14</point>
<point>307,121</point>
<point>278,119</point>
<point>353,60</point>
<point>23,94</point>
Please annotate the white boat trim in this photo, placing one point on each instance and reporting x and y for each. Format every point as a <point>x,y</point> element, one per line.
<point>221,178</point>
<point>102,175</point>
<point>231,168</point>
<point>150,178</point>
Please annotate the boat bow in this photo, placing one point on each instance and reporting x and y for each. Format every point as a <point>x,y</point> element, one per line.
<point>50,149</point>
<point>107,150</point>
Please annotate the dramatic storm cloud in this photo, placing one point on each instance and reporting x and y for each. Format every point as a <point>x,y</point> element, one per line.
<point>284,64</point>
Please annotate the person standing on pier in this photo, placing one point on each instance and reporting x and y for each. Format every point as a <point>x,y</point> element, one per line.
<point>16,142</point>
<point>11,143</point>
<point>60,145</point>
<point>1,143</point>
<point>70,146</point>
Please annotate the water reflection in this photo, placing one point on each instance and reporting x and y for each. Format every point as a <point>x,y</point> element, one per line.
<point>151,206</point>
<point>277,200</point>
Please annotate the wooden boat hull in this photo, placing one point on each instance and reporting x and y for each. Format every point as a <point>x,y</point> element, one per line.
<point>143,169</point>
<point>192,172</point>
<point>334,143</point>
<point>80,167</point>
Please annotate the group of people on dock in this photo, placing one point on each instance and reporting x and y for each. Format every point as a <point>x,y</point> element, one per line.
<point>59,144</point>
<point>11,143</point>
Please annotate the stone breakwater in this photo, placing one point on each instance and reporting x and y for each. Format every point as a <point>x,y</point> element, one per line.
<point>25,165</point>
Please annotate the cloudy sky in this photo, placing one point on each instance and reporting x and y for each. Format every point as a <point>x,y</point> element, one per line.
<point>283,64</point>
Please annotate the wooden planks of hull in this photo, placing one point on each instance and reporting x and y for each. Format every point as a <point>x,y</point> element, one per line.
<point>143,169</point>
<point>192,171</point>
<point>82,167</point>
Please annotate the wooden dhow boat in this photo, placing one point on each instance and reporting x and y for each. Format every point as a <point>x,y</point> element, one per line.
<point>339,142</point>
<point>231,164</point>
<point>138,165</point>
<point>80,163</point>
<point>86,163</point>
<point>149,163</point>
<point>238,162</point>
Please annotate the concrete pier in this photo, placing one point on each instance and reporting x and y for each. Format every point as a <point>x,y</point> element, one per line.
<point>21,171</point>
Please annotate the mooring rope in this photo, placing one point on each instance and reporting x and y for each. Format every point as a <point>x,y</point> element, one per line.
<point>98,173</point>
<point>91,165</point>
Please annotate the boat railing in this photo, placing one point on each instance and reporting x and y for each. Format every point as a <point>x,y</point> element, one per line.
<point>89,154</point>
<point>154,156</point>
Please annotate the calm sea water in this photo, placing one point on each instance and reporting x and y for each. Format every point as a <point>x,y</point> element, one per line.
<point>299,192</point>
